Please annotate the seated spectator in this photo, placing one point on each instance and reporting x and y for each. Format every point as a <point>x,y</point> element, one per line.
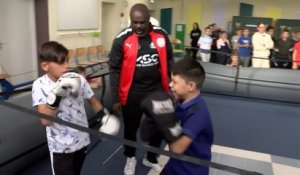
<point>244,48</point>
<point>223,47</point>
<point>282,51</point>
<point>93,82</point>
<point>234,59</point>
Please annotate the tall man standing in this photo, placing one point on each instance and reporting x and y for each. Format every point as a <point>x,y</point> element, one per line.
<point>262,43</point>
<point>140,61</point>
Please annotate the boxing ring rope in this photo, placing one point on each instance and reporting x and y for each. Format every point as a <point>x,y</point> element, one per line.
<point>128,142</point>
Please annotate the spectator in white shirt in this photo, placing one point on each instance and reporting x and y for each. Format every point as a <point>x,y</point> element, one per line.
<point>204,43</point>
<point>262,43</point>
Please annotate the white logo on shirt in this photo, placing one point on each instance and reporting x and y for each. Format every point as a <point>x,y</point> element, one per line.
<point>245,41</point>
<point>147,60</point>
<point>128,45</point>
<point>152,46</point>
<point>161,42</point>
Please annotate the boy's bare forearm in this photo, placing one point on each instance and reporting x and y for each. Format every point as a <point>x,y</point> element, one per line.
<point>43,109</point>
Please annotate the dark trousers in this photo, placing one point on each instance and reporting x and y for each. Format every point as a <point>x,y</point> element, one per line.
<point>195,51</point>
<point>132,114</point>
<point>68,163</point>
<point>222,59</point>
<point>282,63</point>
<point>163,172</point>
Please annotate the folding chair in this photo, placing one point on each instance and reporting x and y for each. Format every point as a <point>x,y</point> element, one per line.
<point>102,53</point>
<point>72,59</point>
<point>82,58</point>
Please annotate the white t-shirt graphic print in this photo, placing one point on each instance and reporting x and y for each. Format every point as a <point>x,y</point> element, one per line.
<point>62,139</point>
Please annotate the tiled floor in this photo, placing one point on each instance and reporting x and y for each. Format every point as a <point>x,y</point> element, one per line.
<point>248,160</point>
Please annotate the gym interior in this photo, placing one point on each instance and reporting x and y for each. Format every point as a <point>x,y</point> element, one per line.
<point>254,111</point>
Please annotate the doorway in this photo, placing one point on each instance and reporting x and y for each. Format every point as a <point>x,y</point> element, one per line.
<point>110,23</point>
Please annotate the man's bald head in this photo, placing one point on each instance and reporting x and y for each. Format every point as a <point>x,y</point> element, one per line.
<point>140,8</point>
<point>140,19</point>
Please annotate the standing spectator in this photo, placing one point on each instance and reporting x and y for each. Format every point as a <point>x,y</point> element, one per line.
<point>223,46</point>
<point>262,43</point>
<point>140,61</point>
<point>296,37</point>
<point>282,51</point>
<point>215,31</point>
<point>244,48</point>
<point>270,31</point>
<point>195,35</point>
<point>235,38</point>
<point>205,42</point>
<point>296,56</point>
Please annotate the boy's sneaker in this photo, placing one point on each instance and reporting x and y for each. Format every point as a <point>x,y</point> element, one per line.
<point>155,166</point>
<point>130,166</point>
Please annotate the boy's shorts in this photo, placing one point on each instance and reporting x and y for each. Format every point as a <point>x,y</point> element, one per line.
<point>68,163</point>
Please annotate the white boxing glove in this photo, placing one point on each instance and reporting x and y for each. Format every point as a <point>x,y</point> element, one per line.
<point>110,124</point>
<point>67,84</point>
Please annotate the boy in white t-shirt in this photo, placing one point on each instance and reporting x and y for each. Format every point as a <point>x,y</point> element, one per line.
<point>60,94</point>
<point>204,43</point>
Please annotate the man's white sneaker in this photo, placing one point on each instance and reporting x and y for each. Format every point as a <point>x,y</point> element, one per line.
<point>155,166</point>
<point>130,166</point>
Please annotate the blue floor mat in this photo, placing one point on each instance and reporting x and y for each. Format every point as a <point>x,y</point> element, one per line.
<point>256,125</point>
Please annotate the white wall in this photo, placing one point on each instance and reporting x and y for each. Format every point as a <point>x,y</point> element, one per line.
<point>83,38</point>
<point>18,56</point>
<point>70,38</point>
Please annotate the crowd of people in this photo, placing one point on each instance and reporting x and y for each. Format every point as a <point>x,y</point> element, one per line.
<point>260,49</point>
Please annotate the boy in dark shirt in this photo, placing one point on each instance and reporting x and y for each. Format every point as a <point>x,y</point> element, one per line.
<point>282,51</point>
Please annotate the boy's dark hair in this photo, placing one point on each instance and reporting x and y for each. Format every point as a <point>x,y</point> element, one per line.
<point>270,28</point>
<point>53,51</point>
<point>234,52</point>
<point>285,30</point>
<point>258,24</point>
<point>79,69</point>
<point>222,32</point>
<point>190,70</point>
<point>206,28</point>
